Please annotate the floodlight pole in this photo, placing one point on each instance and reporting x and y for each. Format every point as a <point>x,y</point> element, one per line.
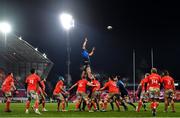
<point>68,55</point>
<point>152,57</point>
<point>134,71</point>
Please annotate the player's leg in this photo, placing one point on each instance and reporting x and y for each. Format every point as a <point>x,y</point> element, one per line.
<point>43,103</point>
<point>8,96</point>
<point>111,101</point>
<point>87,100</point>
<point>117,100</point>
<point>129,102</point>
<point>140,103</point>
<point>57,97</point>
<point>62,99</point>
<point>28,102</point>
<point>155,96</point>
<point>78,101</point>
<point>36,104</point>
<point>93,100</point>
<point>165,101</point>
<point>97,100</point>
<point>172,100</point>
<point>88,70</point>
<point>173,106</point>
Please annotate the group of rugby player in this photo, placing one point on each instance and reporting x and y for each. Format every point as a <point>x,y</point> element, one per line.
<point>35,90</point>
<point>149,88</point>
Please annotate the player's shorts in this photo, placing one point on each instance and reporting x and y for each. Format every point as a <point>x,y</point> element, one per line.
<point>168,93</point>
<point>144,95</point>
<point>32,94</point>
<point>114,96</point>
<point>82,95</point>
<point>154,92</point>
<point>95,95</point>
<point>59,96</point>
<point>8,94</point>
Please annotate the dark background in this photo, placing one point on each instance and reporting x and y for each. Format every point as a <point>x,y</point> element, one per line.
<point>139,25</point>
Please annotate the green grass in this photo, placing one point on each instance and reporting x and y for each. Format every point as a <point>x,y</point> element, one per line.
<point>19,108</point>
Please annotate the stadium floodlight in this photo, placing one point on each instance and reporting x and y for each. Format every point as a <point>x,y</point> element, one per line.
<point>44,55</point>
<point>67,21</point>
<point>5,27</point>
<point>20,38</point>
<point>36,49</point>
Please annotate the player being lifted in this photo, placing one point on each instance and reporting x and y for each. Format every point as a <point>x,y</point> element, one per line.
<point>86,59</point>
<point>153,81</point>
<point>169,91</point>
<point>81,91</point>
<point>7,88</point>
<point>58,93</point>
<point>143,94</point>
<point>32,84</point>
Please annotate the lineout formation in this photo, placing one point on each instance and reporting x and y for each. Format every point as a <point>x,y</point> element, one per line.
<point>148,90</point>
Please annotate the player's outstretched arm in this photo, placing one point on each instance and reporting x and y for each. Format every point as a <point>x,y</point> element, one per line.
<point>90,84</point>
<point>72,87</point>
<point>84,44</point>
<point>92,52</point>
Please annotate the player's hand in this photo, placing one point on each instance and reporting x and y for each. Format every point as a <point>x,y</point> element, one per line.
<point>67,93</point>
<point>86,39</point>
<point>16,92</point>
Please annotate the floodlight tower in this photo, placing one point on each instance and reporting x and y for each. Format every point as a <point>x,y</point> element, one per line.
<point>67,23</point>
<point>5,28</point>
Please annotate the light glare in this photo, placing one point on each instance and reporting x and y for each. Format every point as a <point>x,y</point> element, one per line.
<point>5,27</point>
<point>67,21</point>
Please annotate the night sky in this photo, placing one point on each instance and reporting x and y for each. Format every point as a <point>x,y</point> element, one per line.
<point>136,25</point>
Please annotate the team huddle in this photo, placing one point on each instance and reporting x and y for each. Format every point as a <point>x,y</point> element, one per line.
<point>113,91</point>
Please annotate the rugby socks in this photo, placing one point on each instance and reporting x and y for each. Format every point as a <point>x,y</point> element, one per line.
<point>112,105</point>
<point>27,104</point>
<point>36,105</point>
<point>63,105</point>
<point>58,105</point>
<point>8,104</point>
<point>139,106</point>
<point>43,103</point>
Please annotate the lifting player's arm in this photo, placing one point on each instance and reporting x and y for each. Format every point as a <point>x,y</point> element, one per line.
<point>92,52</point>
<point>84,44</point>
<point>103,87</point>
<point>72,86</point>
<point>174,88</point>
<point>64,91</point>
<point>90,84</point>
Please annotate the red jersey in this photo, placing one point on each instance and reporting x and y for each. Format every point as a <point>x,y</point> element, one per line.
<point>168,82</point>
<point>7,84</point>
<point>153,80</point>
<point>58,87</point>
<point>97,87</point>
<point>112,86</point>
<point>143,81</point>
<point>82,85</point>
<point>32,82</point>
